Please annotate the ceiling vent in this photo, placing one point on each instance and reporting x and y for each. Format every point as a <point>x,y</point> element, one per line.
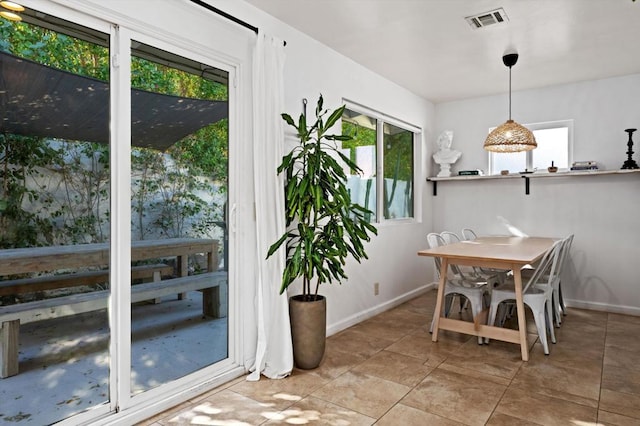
<point>486,19</point>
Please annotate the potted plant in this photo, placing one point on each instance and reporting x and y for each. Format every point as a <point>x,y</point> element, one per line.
<point>324,227</point>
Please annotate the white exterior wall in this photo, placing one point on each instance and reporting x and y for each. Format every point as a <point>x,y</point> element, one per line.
<point>602,211</point>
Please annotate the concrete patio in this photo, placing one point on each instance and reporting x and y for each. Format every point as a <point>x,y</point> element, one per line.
<point>64,363</point>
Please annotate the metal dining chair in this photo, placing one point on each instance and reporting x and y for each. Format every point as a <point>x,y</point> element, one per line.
<point>490,273</point>
<point>559,307</point>
<point>537,294</point>
<point>474,289</point>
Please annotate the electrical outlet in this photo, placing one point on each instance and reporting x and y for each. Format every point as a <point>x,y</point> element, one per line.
<point>376,289</point>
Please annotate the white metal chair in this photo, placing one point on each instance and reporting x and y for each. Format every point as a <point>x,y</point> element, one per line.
<point>557,292</point>
<point>537,294</point>
<point>473,289</point>
<point>559,307</point>
<point>469,235</point>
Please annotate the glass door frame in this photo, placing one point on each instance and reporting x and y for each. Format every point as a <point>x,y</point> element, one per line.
<point>121,405</point>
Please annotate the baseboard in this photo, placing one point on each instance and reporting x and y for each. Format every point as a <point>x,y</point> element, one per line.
<point>371,312</point>
<point>604,307</point>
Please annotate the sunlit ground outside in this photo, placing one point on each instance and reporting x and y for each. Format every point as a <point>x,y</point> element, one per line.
<point>64,362</point>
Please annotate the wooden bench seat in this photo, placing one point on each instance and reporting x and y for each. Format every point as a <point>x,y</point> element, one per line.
<point>212,284</point>
<point>152,272</point>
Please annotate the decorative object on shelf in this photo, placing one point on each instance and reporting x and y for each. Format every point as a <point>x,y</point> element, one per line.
<point>630,163</point>
<point>446,156</point>
<point>552,168</point>
<point>504,172</point>
<point>584,165</point>
<point>510,136</point>
<point>476,172</point>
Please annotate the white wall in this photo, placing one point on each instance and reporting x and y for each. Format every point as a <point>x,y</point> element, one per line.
<point>310,69</point>
<point>602,211</point>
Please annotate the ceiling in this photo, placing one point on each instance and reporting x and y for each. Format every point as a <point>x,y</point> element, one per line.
<point>429,48</point>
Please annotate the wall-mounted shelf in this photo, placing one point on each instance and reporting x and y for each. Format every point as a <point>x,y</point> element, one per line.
<point>527,177</point>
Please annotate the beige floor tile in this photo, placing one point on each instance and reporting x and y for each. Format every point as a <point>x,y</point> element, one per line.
<point>624,319</point>
<point>620,403</point>
<point>408,416</point>
<point>585,316</point>
<point>359,343</point>
<point>573,351</point>
<point>612,419</point>
<point>621,379</point>
<point>280,394</point>
<point>544,410</point>
<point>371,396</point>
<point>454,368</point>
<point>226,407</point>
<point>400,317</point>
<point>387,330</point>
<point>621,358</point>
<point>422,347</point>
<point>496,359</point>
<point>499,419</point>
<point>578,380</point>
<point>420,305</point>
<point>403,369</point>
<point>465,399</point>
<point>314,411</point>
<point>172,412</point>
<point>618,336</point>
<point>337,361</point>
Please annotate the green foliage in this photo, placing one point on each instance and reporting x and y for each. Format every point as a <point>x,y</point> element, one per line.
<point>324,227</point>
<point>54,192</point>
<point>21,160</point>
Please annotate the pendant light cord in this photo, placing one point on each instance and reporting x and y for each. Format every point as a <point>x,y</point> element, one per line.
<point>509,93</point>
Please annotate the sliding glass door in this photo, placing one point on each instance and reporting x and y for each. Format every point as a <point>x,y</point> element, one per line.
<point>54,218</point>
<point>179,187</point>
<point>114,195</point>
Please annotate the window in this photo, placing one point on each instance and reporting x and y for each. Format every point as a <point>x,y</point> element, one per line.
<point>554,145</point>
<point>384,150</point>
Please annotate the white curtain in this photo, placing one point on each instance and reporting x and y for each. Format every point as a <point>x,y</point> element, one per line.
<point>274,353</point>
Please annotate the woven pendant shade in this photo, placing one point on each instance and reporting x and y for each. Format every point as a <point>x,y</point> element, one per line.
<point>510,137</point>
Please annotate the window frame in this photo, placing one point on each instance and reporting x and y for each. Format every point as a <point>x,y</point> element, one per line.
<point>543,125</point>
<point>381,120</point>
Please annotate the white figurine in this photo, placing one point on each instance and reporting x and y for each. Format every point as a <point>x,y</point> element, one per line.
<point>446,156</point>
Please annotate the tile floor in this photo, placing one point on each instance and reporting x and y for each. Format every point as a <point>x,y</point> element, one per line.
<point>387,371</point>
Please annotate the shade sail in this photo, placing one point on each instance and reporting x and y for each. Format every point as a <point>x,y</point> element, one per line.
<point>37,100</point>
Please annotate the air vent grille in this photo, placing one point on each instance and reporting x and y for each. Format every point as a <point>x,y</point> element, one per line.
<point>486,19</point>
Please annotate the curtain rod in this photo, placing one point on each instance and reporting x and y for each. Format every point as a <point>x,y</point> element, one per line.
<point>226,15</point>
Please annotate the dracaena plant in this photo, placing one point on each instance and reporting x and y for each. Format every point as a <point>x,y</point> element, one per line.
<point>323,225</point>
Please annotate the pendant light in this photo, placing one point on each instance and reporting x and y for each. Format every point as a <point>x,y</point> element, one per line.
<point>510,136</point>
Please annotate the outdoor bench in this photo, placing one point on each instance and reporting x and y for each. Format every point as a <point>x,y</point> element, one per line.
<point>212,284</point>
<point>152,272</point>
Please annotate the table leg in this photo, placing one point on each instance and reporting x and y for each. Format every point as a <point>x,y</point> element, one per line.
<point>183,271</point>
<point>9,331</point>
<point>522,322</point>
<point>439,299</point>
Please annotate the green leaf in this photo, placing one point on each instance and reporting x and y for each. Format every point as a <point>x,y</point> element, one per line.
<point>288,119</point>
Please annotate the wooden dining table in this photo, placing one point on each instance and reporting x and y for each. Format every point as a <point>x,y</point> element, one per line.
<point>507,253</point>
